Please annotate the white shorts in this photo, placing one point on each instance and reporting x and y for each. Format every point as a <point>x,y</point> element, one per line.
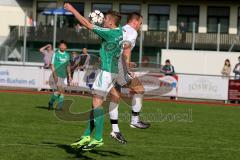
<point>123,75</point>
<point>62,82</point>
<point>103,83</point>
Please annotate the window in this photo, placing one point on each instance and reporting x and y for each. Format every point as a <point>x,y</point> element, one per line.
<point>62,20</point>
<point>218,15</point>
<point>103,7</point>
<point>187,15</point>
<point>126,9</point>
<point>158,15</point>
<point>45,19</point>
<point>70,20</point>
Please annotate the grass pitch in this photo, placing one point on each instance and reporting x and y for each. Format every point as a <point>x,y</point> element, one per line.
<point>28,131</point>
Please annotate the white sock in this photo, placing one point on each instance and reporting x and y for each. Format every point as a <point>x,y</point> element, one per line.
<point>136,107</point>
<point>113,113</point>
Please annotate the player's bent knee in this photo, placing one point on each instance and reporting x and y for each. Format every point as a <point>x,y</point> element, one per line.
<point>139,90</point>
<point>115,99</point>
<point>97,101</point>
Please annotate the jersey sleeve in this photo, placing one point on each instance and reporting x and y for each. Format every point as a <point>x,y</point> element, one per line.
<point>104,33</point>
<point>53,58</point>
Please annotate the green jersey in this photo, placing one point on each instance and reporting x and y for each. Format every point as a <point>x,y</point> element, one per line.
<point>110,47</point>
<point>60,61</point>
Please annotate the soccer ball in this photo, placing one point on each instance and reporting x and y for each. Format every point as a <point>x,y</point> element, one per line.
<point>96,17</point>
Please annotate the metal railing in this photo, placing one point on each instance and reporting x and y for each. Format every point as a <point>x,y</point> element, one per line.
<point>177,40</point>
<point>150,39</point>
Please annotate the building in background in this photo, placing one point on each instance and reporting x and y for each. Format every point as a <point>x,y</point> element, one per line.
<point>206,18</point>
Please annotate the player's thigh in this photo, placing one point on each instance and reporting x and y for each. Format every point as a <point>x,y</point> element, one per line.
<point>136,86</point>
<point>103,84</point>
<point>60,85</point>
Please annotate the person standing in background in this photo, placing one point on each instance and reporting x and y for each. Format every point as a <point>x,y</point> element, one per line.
<point>47,51</point>
<point>226,70</point>
<point>236,70</point>
<point>84,59</point>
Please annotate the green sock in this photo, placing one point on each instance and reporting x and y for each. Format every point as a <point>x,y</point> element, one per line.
<point>90,125</point>
<point>98,121</point>
<point>60,101</point>
<point>53,98</point>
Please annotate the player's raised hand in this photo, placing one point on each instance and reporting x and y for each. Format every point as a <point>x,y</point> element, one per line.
<point>68,7</point>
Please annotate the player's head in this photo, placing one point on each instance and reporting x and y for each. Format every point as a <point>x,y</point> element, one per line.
<point>74,54</point>
<point>62,45</point>
<point>167,62</point>
<point>84,50</point>
<point>227,62</point>
<point>49,48</point>
<point>112,19</point>
<point>135,20</point>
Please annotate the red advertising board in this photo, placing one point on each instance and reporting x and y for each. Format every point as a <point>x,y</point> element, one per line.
<point>234,90</point>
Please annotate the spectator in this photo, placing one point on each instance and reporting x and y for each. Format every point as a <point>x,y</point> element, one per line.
<point>84,59</point>
<point>183,30</point>
<point>168,69</point>
<point>236,70</point>
<point>226,70</point>
<point>47,51</point>
<point>74,62</point>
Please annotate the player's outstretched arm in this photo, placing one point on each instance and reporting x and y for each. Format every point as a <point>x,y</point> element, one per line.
<point>44,48</point>
<point>127,54</point>
<point>78,16</point>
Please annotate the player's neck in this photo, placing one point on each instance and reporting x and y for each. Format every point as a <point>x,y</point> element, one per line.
<point>113,26</point>
<point>61,51</point>
<point>133,26</point>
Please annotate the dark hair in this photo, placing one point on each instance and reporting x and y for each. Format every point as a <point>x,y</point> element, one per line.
<point>115,15</point>
<point>167,61</point>
<point>227,60</point>
<point>64,42</point>
<point>134,15</point>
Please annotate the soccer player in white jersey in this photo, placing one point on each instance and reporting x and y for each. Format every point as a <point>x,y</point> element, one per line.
<point>127,79</point>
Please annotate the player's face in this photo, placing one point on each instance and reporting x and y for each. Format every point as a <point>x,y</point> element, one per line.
<point>50,48</point>
<point>139,23</point>
<point>62,47</point>
<point>107,21</point>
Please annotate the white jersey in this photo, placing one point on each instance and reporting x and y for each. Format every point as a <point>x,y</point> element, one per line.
<point>129,37</point>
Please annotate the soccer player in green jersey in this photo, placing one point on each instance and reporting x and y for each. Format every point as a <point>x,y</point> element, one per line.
<point>111,37</point>
<point>60,66</point>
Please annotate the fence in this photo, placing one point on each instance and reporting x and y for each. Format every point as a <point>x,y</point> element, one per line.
<point>156,85</point>
<point>149,43</point>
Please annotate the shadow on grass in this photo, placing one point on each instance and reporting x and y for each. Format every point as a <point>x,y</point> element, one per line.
<point>42,107</point>
<point>80,153</point>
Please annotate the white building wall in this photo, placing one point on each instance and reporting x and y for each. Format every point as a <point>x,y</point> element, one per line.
<point>199,62</point>
<point>14,15</point>
<point>10,16</point>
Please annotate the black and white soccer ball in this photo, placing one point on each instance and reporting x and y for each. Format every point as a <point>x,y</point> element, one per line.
<point>96,17</point>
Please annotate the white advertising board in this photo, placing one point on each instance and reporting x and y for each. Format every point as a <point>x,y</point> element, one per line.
<point>203,87</point>
<point>20,76</point>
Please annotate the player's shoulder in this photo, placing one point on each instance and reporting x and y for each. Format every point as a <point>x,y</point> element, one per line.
<point>96,27</point>
<point>130,30</point>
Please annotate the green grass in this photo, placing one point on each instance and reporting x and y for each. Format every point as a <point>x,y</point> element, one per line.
<point>178,132</point>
